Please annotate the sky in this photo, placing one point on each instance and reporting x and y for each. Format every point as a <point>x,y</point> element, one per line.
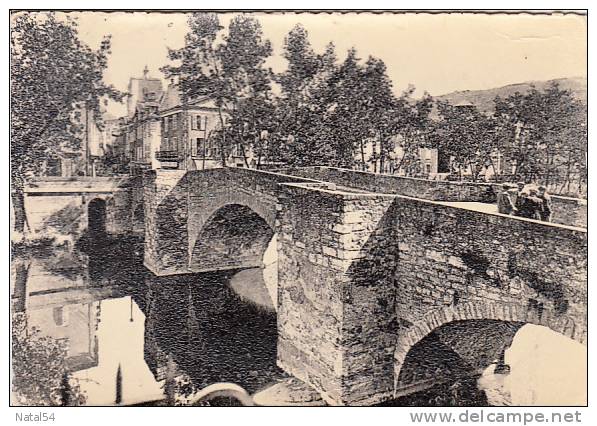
<point>437,53</point>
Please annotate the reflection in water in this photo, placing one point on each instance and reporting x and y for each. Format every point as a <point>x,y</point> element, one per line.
<point>133,338</point>
<point>128,333</point>
<point>198,323</point>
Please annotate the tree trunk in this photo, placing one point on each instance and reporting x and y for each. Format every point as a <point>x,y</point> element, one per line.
<point>223,138</point>
<point>18,204</point>
<point>495,171</point>
<point>242,150</point>
<point>568,170</point>
<point>382,153</point>
<point>20,289</point>
<point>362,156</point>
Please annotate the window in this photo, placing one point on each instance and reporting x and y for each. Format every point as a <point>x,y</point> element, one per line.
<point>174,143</point>
<point>165,123</point>
<point>194,144</point>
<point>201,123</point>
<point>166,146</point>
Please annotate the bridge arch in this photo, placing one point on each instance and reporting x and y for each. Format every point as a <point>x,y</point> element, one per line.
<point>504,319</point>
<point>200,214</point>
<point>97,216</point>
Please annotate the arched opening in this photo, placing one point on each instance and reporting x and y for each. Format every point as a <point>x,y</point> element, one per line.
<point>222,323</point>
<point>96,217</point>
<point>492,362</point>
<point>237,238</point>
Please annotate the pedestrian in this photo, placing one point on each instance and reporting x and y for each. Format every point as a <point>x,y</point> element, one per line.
<point>545,204</point>
<point>531,205</point>
<point>505,204</point>
<point>520,196</point>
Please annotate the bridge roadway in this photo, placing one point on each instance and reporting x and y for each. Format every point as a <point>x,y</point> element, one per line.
<point>377,274</point>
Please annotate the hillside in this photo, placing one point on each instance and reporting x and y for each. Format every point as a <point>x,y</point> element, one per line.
<point>483,99</point>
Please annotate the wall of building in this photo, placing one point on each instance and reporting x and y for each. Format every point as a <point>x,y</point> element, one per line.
<point>190,132</point>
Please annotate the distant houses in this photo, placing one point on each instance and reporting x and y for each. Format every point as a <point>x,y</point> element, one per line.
<point>162,131</point>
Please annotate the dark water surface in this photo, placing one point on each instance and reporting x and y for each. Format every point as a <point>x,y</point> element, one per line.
<point>134,338</point>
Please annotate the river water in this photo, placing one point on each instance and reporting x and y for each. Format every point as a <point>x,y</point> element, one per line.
<point>133,338</point>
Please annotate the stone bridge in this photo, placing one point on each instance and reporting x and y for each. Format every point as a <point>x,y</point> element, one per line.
<point>384,284</point>
<point>67,205</point>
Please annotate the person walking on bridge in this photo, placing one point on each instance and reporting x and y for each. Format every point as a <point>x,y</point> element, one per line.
<point>505,203</point>
<point>545,211</point>
<point>530,206</point>
<point>520,196</point>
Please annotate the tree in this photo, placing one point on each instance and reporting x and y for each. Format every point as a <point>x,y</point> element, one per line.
<point>350,105</point>
<point>301,109</point>
<point>544,135</point>
<point>40,376</point>
<point>232,72</point>
<point>466,136</point>
<point>55,79</point>
<point>380,108</point>
<point>413,127</point>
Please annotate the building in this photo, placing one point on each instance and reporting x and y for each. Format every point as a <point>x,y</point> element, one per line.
<point>120,147</point>
<point>189,136</point>
<point>425,163</point>
<point>66,161</point>
<point>142,128</point>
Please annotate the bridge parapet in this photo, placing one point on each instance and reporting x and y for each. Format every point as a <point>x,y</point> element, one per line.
<point>565,210</point>
<point>399,185</point>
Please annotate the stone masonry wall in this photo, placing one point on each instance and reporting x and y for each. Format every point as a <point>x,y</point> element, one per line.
<point>369,322</point>
<point>566,211</point>
<point>311,288</point>
<point>179,205</point>
<point>365,276</point>
<point>448,254</point>
<point>216,189</point>
<point>235,237</point>
<point>166,213</point>
<point>457,264</point>
<point>569,211</point>
<point>362,278</point>
<point>391,184</point>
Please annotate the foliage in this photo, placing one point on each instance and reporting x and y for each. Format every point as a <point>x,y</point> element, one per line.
<point>40,376</point>
<point>230,71</point>
<point>55,79</point>
<point>465,135</point>
<point>544,135</point>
